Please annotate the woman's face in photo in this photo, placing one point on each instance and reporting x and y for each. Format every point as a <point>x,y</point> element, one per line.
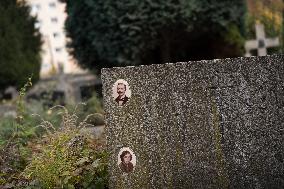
<point>126,158</point>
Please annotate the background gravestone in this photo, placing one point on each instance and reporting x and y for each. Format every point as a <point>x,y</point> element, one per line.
<point>201,124</point>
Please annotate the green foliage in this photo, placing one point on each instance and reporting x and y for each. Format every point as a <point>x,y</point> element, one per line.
<point>108,33</point>
<point>234,38</point>
<point>68,159</point>
<point>14,137</point>
<point>93,106</point>
<point>40,137</point>
<point>23,127</point>
<point>19,44</point>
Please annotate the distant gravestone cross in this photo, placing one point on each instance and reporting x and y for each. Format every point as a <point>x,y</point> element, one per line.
<point>261,43</point>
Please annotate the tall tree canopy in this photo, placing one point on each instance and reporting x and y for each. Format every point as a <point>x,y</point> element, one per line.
<point>108,33</point>
<point>19,44</point>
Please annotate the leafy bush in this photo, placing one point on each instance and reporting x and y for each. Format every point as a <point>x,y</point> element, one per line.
<point>14,136</point>
<point>67,159</point>
<point>92,106</point>
<point>42,149</point>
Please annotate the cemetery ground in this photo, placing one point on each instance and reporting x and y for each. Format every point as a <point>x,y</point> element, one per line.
<point>48,147</point>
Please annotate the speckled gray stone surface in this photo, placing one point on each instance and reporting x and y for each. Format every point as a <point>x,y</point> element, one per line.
<point>203,124</point>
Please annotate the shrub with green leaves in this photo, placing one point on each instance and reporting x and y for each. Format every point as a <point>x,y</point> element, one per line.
<point>14,137</point>
<point>68,159</point>
<point>41,137</point>
<point>56,154</point>
<point>92,106</point>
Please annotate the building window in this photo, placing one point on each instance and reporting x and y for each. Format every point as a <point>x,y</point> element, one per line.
<point>46,65</point>
<point>54,20</point>
<point>52,4</point>
<point>38,24</point>
<point>58,49</point>
<point>56,35</point>
<point>35,8</point>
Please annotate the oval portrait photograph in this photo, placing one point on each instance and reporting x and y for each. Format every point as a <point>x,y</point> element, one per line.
<point>121,92</point>
<point>126,160</point>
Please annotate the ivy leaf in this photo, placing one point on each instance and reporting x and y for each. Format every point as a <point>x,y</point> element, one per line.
<point>82,161</point>
<point>65,173</point>
<point>96,163</point>
<point>66,179</point>
<point>70,186</point>
<point>78,171</point>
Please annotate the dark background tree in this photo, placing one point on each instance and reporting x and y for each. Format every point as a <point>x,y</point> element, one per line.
<point>20,45</point>
<point>108,33</point>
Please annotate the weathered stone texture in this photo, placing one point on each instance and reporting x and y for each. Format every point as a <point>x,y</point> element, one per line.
<point>204,124</point>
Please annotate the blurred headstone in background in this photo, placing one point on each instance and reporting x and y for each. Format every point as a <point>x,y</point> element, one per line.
<point>7,110</point>
<point>10,93</point>
<point>8,97</point>
<point>66,88</point>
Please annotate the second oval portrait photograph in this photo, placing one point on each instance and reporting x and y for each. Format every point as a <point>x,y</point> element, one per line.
<point>126,160</point>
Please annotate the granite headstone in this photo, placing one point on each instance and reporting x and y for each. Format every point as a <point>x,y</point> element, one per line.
<point>200,124</point>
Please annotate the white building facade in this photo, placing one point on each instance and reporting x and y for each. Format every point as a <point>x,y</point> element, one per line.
<point>51,16</point>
